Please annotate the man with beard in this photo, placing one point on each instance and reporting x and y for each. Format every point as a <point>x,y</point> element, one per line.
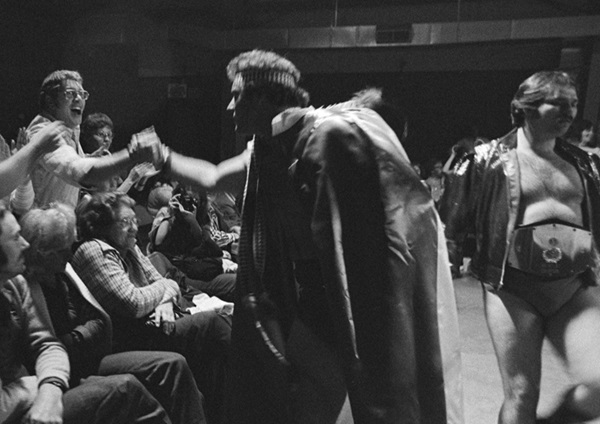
<point>34,371</point>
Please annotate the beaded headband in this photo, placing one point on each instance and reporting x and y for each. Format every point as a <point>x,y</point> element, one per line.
<point>260,75</point>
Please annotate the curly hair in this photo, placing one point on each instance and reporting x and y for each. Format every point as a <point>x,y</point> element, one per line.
<point>52,85</point>
<point>534,90</point>
<point>89,126</point>
<point>260,72</point>
<point>98,212</point>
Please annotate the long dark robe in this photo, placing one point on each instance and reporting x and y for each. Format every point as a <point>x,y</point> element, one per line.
<point>344,289</point>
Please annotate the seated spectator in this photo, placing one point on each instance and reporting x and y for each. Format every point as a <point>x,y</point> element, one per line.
<point>226,238</point>
<point>144,306</point>
<point>28,343</point>
<point>228,212</point>
<point>84,327</point>
<point>178,233</point>
<point>159,197</point>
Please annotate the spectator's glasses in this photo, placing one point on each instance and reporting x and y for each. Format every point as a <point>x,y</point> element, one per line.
<point>104,135</point>
<point>128,222</point>
<point>72,94</point>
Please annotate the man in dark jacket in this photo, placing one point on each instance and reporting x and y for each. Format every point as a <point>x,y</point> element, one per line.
<point>343,272</point>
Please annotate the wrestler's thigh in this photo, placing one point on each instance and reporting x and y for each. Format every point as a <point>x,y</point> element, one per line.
<point>517,334</point>
<point>575,332</point>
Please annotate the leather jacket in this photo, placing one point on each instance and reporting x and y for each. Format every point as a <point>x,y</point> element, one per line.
<point>482,198</point>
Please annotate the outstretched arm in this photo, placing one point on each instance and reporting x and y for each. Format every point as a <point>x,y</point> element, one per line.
<point>228,175</point>
<point>144,147</point>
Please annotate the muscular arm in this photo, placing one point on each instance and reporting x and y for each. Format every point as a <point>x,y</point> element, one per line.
<point>228,175</point>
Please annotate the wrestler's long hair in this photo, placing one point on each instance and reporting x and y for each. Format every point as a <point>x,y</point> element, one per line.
<point>534,90</point>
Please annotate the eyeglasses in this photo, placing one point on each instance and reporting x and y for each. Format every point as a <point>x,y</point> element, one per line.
<point>128,222</point>
<point>104,135</point>
<point>72,94</point>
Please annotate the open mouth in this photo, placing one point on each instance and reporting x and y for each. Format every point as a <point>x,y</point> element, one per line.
<point>77,111</point>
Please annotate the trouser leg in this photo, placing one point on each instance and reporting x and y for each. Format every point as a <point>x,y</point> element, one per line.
<point>204,339</point>
<point>167,377</point>
<point>222,286</point>
<point>116,399</point>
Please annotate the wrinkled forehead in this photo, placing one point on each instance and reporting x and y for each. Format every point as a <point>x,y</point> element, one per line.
<point>243,78</point>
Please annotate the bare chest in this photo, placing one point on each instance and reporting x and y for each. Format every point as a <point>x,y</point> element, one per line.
<point>550,186</point>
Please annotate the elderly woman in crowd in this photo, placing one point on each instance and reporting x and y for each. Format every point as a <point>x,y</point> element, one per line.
<point>84,327</point>
<point>143,305</point>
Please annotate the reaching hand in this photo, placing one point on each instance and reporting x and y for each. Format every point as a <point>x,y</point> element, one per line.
<point>141,170</point>
<point>145,146</point>
<point>47,407</point>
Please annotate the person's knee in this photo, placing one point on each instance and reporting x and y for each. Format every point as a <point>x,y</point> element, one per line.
<point>176,368</point>
<point>128,383</point>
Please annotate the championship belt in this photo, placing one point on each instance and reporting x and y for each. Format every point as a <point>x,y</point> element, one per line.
<point>551,250</point>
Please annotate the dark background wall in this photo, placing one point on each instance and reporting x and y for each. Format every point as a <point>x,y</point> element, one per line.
<point>444,90</point>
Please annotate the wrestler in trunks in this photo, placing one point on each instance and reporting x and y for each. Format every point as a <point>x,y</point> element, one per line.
<point>530,199</point>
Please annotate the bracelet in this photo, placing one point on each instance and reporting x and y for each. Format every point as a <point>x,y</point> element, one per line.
<point>54,381</point>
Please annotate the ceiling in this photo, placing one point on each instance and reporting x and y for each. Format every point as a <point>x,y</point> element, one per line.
<point>227,14</point>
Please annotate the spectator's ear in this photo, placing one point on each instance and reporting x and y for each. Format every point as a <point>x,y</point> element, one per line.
<point>51,103</point>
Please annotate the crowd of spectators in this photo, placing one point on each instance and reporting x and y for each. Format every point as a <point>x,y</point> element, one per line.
<point>103,292</point>
<point>111,329</point>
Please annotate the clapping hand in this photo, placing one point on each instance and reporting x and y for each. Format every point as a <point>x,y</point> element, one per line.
<point>141,172</point>
<point>22,140</point>
<point>5,152</point>
<point>8,149</point>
